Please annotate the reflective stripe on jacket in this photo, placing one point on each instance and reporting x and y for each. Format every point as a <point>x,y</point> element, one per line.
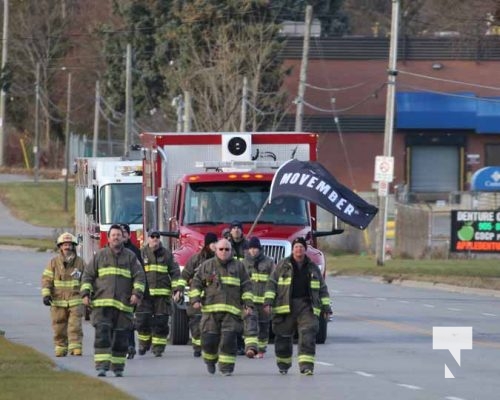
<point>162,272</point>
<point>61,281</point>
<point>259,268</point>
<point>110,279</point>
<point>225,287</point>
<point>279,287</point>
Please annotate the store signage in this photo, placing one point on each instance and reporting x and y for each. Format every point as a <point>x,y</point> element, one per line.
<point>475,231</point>
<point>486,180</point>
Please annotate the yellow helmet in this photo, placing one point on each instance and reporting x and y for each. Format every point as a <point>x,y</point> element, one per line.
<point>66,237</point>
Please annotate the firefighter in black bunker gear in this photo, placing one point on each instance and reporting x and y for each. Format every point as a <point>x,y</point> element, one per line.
<point>256,326</point>
<point>163,279</point>
<point>222,289</point>
<point>113,282</point>
<point>296,293</point>
<point>61,291</point>
<point>208,251</point>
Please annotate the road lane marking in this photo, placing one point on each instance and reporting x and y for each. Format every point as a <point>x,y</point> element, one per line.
<point>365,374</point>
<point>404,301</point>
<point>429,305</point>
<point>453,398</point>
<point>381,299</point>
<point>488,314</point>
<point>412,387</point>
<point>408,328</point>
<point>325,363</point>
<point>454,309</point>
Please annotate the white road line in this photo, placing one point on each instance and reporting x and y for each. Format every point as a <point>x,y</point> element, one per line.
<point>488,314</point>
<point>404,301</point>
<point>20,282</point>
<point>429,305</point>
<point>381,299</point>
<point>454,309</point>
<point>453,398</point>
<point>324,363</point>
<point>29,284</point>
<point>365,374</point>
<point>412,387</point>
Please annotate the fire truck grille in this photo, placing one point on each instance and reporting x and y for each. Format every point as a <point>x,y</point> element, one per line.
<point>276,249</point>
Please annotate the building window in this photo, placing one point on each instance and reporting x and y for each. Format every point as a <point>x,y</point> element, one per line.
<point>492,155</point>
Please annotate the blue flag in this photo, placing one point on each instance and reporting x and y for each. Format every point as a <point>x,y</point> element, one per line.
<point>311,181</point>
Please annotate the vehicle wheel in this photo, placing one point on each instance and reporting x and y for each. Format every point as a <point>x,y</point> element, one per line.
<point>322,333</point>
<point>179,325</point>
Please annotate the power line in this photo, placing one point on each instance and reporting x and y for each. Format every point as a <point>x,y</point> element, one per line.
<point>448,80</point>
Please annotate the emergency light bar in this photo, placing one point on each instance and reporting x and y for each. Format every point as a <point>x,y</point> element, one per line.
<point>237,164</point>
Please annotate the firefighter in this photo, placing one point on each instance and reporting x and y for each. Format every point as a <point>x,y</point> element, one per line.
<point>238,242</point>
<point>60,291</point>
<point>222,289</point>
<point>296,293</point>
<point>127,243</point>
<point>163,278</point>
<point>259,267</point>
<point>239,245</point>
<point>208,251</point>
<point>113,282</point>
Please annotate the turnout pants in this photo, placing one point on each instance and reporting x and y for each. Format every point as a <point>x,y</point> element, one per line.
<point>112,328</point>
<point>218,339</point>
<point>302,320</point>
<point>256,329</point>
<point>152,323</point>
<point>194,326</point>
<point>67,327</point>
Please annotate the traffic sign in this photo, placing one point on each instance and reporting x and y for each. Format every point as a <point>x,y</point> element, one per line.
<point>384,168</point>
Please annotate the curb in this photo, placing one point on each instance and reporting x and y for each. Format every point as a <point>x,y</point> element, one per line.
<point>441,286</point>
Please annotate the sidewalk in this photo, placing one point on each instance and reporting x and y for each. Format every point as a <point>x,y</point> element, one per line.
<point>13,227</point>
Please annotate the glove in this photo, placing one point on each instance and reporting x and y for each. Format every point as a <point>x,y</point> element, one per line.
<point>47,300</point>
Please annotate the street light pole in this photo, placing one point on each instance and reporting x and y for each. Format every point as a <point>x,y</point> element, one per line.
<point>389,127</point>
<point>2,91</point>
<point>66,157</point>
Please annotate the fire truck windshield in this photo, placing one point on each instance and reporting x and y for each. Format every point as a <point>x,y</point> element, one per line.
<point>121,203</point>
<point>216,203</point>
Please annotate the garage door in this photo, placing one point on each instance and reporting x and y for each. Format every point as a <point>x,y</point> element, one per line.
<point>434,169</point>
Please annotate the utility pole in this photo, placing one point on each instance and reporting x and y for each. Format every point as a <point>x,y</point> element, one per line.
<point>66,157</point>
<point>244,99</point>
<point>128,100</point>
<point>96,119</point>
<point>389,129</point>
<point>187,111</point>
<point>37,128</point>
<point>299,113</point>
<point>2,91</point>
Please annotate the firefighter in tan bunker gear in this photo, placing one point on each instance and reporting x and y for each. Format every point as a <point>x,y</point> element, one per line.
<point>163,278</point>
<point>61,291</point>
<point>113,282</point>
<point>222,289</point>
<point>297,293</point>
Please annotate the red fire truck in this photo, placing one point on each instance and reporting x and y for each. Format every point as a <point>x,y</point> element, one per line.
<point>108,191</point>
<point>194,183</point>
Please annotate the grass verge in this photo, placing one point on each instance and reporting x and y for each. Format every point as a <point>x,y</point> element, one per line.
<point>478,273</point>
<point>41,203</point>
<point>27,374</point>
<point>33,243</point>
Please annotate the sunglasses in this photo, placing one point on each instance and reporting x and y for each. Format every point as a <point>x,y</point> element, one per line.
<point>224,249</point>
<point>155,236</point>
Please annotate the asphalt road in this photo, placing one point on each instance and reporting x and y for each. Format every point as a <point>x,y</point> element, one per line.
<point>379,346</point>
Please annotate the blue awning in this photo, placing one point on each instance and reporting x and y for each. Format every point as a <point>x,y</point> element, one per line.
<point>422,110</point>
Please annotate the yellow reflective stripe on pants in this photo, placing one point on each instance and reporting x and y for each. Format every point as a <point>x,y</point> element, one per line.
<point>306,358</point>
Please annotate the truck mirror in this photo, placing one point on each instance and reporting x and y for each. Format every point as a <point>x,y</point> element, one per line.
<point>337,229</point>
<point>89,201</point>
<point>150,213</point>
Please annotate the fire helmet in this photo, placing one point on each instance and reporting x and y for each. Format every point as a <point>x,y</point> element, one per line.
<point>66,237</point>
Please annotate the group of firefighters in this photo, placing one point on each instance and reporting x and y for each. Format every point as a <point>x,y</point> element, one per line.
<point>236,291</point>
